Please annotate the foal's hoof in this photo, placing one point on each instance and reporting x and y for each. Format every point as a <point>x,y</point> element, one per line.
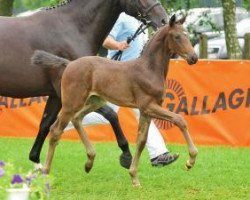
<point>189,165</point>
<point>125,160</point>
<point>136,184</point>
<point>44,170</point>
<point>87,168</point>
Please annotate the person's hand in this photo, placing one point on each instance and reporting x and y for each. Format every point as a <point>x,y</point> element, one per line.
<point>122,45</point>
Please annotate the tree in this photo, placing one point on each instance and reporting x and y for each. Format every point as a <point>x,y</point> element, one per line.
<point>6,7</point>
<point>232,43</point>
<point>246,4</point>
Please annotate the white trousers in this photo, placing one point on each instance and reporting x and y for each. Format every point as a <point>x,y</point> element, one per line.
<point>155,142</point>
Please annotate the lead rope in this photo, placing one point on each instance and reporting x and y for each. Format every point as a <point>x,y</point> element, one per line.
<point>141,29</point>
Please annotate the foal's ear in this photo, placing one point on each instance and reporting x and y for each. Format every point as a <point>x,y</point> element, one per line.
<point>172,21</point>
<point>182,20</point>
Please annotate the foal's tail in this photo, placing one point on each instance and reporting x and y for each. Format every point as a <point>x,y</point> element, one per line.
<point>55,66</point>
<point>48,60</point>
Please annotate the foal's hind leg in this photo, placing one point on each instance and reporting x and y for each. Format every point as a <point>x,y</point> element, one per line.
<point>111,116</point>
<point>93,103</point>
<point>156,111</point>
<point>141,140</point>
<point>56,132</point>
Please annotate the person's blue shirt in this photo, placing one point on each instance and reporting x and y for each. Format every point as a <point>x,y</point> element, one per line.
<point>125,27</point>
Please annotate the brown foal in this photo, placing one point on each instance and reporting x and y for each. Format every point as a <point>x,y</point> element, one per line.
<point>90,81</point>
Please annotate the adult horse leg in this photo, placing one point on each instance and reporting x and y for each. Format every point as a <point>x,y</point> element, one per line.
<point>141,140</point>
<point>52,108</point>
<point>111,116</point>
<point>156,111</point>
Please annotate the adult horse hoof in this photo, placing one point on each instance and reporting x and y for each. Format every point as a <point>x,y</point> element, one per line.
<point>33,157</point>
<point>125,160</point>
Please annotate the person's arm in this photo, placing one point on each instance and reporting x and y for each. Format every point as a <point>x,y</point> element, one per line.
<point>111,43</point>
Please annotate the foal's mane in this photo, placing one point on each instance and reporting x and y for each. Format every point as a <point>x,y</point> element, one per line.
<point>151,39</point>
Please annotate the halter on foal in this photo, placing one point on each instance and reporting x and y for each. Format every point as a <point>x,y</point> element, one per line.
<point>89,81</point>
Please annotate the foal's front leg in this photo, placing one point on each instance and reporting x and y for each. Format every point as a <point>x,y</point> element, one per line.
<point>77,122</point>
<point>156,111</point>
<point>144,123</point>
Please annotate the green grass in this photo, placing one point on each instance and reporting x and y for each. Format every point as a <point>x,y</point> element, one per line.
<point>221,173</point>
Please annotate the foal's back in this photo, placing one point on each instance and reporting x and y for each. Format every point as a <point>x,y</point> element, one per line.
<point>99,76</point>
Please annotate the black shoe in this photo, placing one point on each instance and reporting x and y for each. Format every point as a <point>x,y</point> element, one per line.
<point>164,159</point>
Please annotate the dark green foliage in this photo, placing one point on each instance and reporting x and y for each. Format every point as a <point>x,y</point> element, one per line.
<point>6,7</point>
<point>246,4</point>
<point>188,4</point>
<point>22,5</point>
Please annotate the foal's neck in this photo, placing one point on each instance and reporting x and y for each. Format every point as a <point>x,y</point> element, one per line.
<point>156,54</point>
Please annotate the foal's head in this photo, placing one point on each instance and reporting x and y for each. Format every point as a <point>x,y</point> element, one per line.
<point>178,41</point>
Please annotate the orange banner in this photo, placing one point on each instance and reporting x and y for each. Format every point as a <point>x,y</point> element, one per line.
<point>213,96</point>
